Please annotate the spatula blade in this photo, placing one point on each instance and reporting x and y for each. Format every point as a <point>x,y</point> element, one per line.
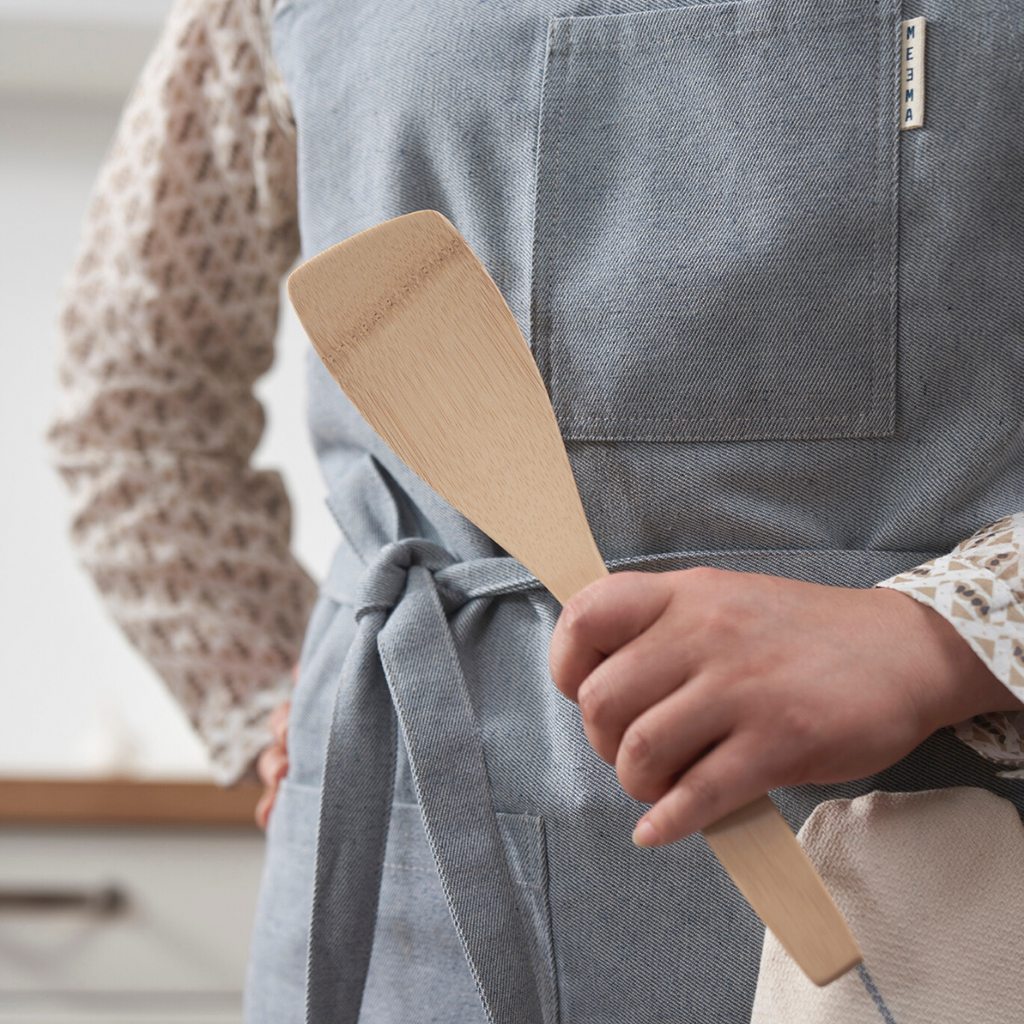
<point>419,338</point>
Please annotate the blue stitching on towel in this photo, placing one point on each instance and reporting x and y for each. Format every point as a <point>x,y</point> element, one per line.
<point>869,984</point>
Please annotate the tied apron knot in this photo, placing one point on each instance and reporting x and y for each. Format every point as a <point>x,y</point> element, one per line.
<point>384,581</point>
<point>403,671</point>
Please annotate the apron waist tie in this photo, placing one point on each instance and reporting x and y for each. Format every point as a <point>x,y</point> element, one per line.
<point>403,665</point>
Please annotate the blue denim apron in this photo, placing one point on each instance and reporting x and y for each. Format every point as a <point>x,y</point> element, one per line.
<point>779,336</point>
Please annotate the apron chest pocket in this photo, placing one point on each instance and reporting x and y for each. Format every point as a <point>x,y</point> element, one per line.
<point>716,222</point>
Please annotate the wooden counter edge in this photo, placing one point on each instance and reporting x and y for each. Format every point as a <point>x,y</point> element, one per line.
<point>126,802</point>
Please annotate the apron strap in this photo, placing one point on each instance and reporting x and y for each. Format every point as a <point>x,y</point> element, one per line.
<point>404,660</point>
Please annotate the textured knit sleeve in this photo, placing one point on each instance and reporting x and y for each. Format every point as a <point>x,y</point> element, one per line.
<point>979,588</point>
<point>168,319</point>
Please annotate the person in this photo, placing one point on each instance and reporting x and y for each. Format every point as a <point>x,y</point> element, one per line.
<point>772,400</point>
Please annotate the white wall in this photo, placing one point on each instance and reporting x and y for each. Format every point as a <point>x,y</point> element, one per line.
<point>75,47</point>
<point>74,697</point>
<point>112,12</point>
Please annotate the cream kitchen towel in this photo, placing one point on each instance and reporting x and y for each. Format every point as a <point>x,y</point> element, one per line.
<point>932,885</point>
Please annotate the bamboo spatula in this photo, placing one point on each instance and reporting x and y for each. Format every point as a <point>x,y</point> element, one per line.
<point>418,336</point>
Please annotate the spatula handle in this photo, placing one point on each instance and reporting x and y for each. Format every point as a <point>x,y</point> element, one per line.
<point>762,856</point>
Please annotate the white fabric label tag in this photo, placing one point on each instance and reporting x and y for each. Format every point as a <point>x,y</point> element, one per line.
<point>912,73</point>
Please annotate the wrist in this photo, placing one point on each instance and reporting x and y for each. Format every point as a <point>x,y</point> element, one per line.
<point>952,682</point>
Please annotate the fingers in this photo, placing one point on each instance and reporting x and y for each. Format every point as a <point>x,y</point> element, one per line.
<point>724,780</point>
<point>264,806</point>
<point>271,767</point>
<point>670,672</point>
<point>635,678</point>
<point>279,723</point>
<point>601,619</point>
<point>664,741</point>
<point>272,764</point>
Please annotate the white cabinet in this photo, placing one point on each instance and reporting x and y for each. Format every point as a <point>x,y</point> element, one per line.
<point>170,949</point>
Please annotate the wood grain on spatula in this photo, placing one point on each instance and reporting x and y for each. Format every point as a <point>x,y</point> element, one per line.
<point>418,336</point>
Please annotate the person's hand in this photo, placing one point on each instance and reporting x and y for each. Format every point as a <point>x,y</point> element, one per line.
<point>272,764</point>
<point>706,688</point>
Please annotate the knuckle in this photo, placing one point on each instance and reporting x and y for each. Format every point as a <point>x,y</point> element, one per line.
<point>701,575</point>
<point>718,622</point>
<point>272,765</point>
<point>561,673</point>
<point>800,726</point>
<point>597,705</point>
<point>716,615</point>
<point>262,810</point>
<point>636,755</point>
<point>574,621</point>
<point>797,746</point>
<point>704,792</point>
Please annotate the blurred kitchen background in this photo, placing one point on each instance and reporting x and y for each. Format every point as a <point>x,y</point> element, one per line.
<point>106,809</point>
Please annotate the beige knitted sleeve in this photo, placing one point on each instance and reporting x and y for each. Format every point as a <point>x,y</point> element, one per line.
<point>168,318</point>
<point>979,588</point>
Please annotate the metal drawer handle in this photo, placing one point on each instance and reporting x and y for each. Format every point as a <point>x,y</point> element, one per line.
<point>104,901</point>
